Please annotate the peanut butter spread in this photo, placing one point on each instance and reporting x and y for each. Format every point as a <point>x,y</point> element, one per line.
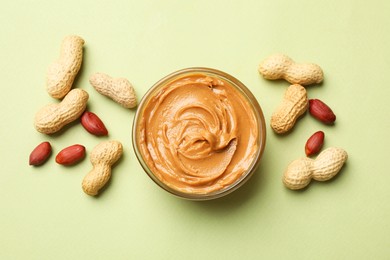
<point>198,134</point>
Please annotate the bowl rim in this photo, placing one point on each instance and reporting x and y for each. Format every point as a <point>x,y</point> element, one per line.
<point>251,100</point>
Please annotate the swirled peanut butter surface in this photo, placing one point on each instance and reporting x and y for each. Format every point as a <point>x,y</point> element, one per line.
<point>198,134</point>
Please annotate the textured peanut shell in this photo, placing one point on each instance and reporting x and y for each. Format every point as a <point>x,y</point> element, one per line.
<point>102,157</point>
<point>275,66</point>
<point>53,117</point>
<point>293,105</point>
<point>298,174</point>
<point>280,66</point>
<point>327,164</point>
<point>304,74</point>
<point>62,72</point>
<point>120,89</point>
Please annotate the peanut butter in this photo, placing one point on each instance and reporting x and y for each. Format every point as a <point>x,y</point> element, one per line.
<point>198,134</point>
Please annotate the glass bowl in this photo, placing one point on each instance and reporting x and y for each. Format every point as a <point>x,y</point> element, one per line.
<point>153,159</point>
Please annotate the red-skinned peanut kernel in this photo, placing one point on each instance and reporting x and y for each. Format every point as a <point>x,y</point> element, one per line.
<point>314,143</point>
<point>40,154</point>
<point>321,111</point>
<point>71,155</point>
<point>92,123</point>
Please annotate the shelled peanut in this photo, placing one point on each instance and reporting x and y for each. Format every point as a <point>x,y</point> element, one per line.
<point>118,89</point>
<point>280,66</point>
<point>328,163</point>
<point>293,105</point>
<point>62,72</point>
<point>52,118</point>
<point>102,157</point>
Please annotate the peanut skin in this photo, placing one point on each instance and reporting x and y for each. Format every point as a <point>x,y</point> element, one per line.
<point>280,66</point>
<point>293,105</point>
<point>120,89</point>
<point>102,157</point>
<point>51,118</point>
<point>327,164</point>
<point>62,72</point>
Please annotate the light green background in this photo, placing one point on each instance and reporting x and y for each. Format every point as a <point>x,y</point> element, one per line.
<point>44,212</point>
